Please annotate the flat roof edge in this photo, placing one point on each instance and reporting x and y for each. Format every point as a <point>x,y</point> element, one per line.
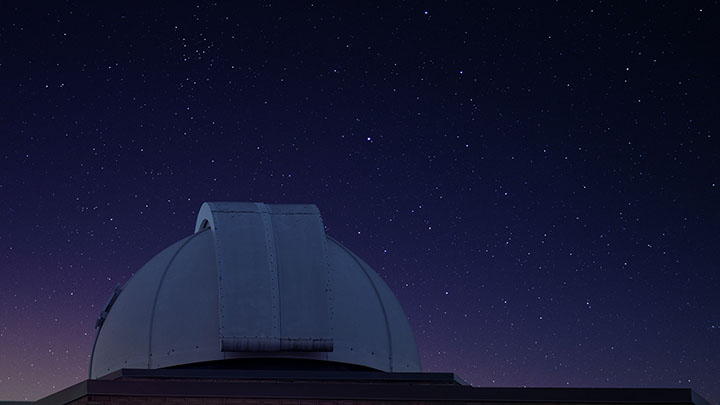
<point>305,375</point>
<point>435,387</point>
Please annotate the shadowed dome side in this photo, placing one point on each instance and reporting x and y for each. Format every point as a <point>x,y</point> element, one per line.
<point>255,281</point>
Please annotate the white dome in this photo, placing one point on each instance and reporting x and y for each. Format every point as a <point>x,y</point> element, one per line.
<point>254,281</point>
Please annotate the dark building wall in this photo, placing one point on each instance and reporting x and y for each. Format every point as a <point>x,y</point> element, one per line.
<point>235,387</point>
<point>145,400</point>
<point>110,400</point>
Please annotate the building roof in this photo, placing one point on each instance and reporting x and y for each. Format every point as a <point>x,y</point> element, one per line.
<point>222,386</point>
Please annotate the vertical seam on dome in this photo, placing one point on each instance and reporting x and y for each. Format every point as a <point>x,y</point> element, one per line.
<point>329,284</point>
<point>274,266</point>
<point>377,293</point>
<point>157,293</point>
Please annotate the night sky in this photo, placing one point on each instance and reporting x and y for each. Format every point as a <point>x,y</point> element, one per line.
<point>538,182</point>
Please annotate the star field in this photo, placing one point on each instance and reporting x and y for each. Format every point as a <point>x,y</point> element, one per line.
<point>538,183</point>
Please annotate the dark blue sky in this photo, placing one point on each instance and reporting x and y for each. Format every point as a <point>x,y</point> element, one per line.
<point>537,182</point>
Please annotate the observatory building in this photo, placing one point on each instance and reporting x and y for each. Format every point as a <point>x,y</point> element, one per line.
<point>255,281</point>
<point>259,305</point>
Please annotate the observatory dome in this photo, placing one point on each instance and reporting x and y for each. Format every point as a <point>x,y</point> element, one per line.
<point>256,283</point>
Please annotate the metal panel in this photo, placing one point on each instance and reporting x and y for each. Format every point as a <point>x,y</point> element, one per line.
<point>185,318</point>
<point>264,253</point>
<point>122,341</point>
<point>360,326</point>
<point>402,358</point>
<point>304,278</point>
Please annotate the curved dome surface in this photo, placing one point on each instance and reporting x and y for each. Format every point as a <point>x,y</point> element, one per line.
<point>254,281</point>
